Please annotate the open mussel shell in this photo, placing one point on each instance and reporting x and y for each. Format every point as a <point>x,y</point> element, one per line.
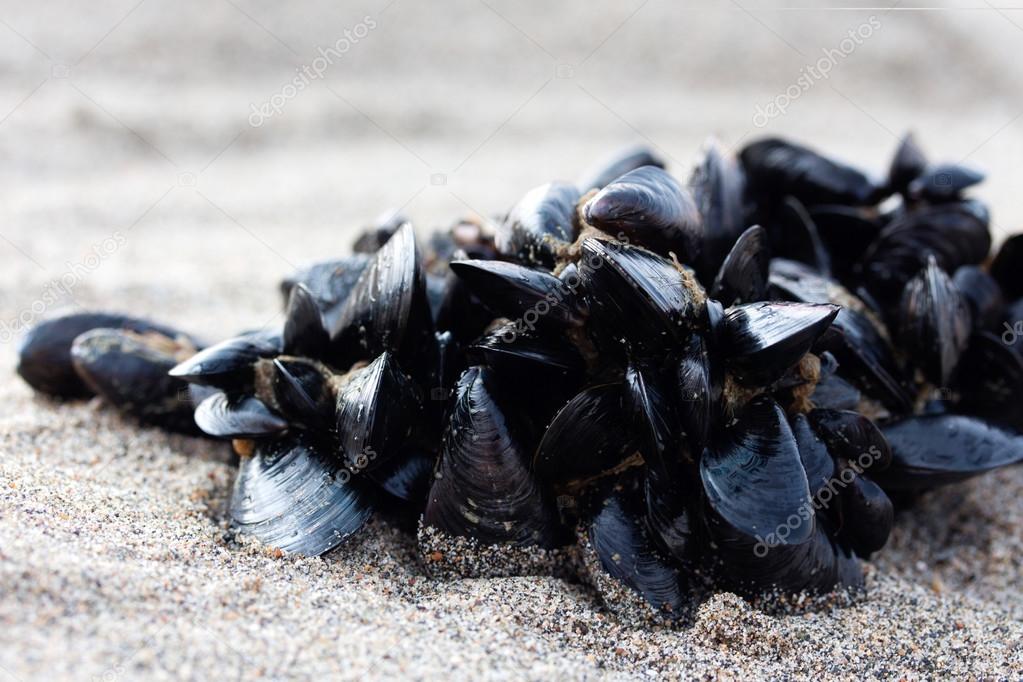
<point>954,234</point>
<point>483,488</point>
<point>637,295</point>
<point>649,207</point>
<point>934,323</point>
<point>528,296</point>
<point>1007,266</point>
<point>387,309</point>
<point>540,224</point>
<point>230,365</point>
<point>294,495</point>
<point>379,413</point>
<point>623,560</point>
<point>983,295</point>
<point>44,354</point>
<point>933,450</point>
<point>129,370</point>
<point>776,167</point>
<point>588,438</point>
<point>743,276</point>
<point>717,185</point>
<point>753,476</point>
<point>304,330</point>
<point>241,416</point>
<point>944,182</point>
<point>760,341</point>
<point>617,164</point>
<point>908,164</point>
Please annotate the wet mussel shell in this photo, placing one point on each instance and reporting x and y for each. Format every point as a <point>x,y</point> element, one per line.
<point>933,450</point>
<point>484,488</point>
<point>717,185</point>
<point>638,296</point>
<point>743,275</point>
<point>650,208</point>
<point>240,416</point>
<point>540,224</point>
<point>230,365</point>
<point>129,370</point>
<point>44,354</point>
<point>293,494</point>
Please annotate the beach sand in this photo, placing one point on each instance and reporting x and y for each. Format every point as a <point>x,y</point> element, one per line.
<point>131,174</point>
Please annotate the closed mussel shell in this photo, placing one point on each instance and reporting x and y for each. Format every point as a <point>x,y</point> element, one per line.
<point>240,416</point>
<point>230,365</point>
<point>539,224</point>
<point>617,164</point>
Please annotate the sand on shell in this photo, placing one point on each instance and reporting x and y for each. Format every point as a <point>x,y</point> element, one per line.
<point>131,172</point>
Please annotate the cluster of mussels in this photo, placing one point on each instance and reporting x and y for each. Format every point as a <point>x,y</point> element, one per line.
<point>663,386</point>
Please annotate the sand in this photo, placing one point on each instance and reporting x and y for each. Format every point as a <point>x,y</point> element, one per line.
<point>132,177</point>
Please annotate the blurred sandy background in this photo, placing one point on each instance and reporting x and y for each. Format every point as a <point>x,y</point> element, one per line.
<point>131,121</point>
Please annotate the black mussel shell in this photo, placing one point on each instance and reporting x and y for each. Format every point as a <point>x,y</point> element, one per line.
<point>638,295</point>
<point>302,394</point>
<point>867,515</point>
<point>835,393</point>
<point>933,450</point>
<point>407,477</point>
<point>934,323</point>
<point>852,439</point>
<point>795,236</point>
<point>1007,267</point>
<point>754,478</point>
<point>293,494</point>
<point>304,330</point>
<point>377,234</point>
<point>129,370</point>
<point>483,488</point>
<point>649,207</point>
<point>653,405</point>
<point>775,167</point>
<point>866,359</point>
<point>44,354</point>
<point>983,296</point>
<point>760,341</point>
<point>743,275</point>
<point>954,234</point>
<point>379,414</point>
<point>589,437</point>
<point>673,501</point>
<point>717,185</point>
<point>695,393</point>
<point>540,224</point>
<point>527,296</point>
<point>230,365</point>
<point>908,164</point>
<point>813,453</point>
<point>616,165</point>
<point>944,182</point>
<point>330,282</point>
<point>240,416</point>
<point>459,312</point>
<point>846,233</point>
<point>626,550</point>
<point>989,379</point>
<point>516,352</point>
<point>388,308</point>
